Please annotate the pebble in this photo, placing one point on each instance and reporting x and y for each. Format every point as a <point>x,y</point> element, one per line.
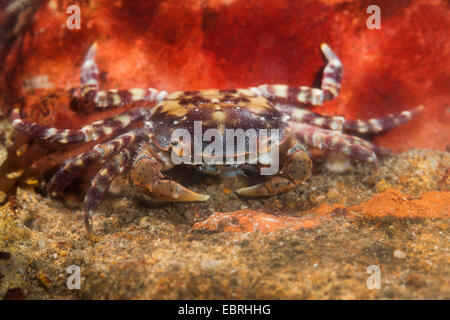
<point>337,163</point>
<point>333,194</point>
<point>210,264</point>
<point>382,185</point>
<point>3,197</point>
<point>399,254</point>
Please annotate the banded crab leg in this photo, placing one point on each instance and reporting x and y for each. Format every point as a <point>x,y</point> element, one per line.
<point>330,86</point>
<point>110,98</point>
<point>100,153</point>
<point>371,126</point>
<point>146,173</point>
<point>101,182</point>
<point>296,168</point>
<point>92,132</point>
<point>324,139</point>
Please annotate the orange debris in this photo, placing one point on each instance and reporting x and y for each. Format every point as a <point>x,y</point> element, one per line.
<point>434,204</point>
<point>252,220</point>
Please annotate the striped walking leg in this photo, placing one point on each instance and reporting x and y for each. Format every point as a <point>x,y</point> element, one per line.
<point>92,132</point>
<point>104,99</point>
<point>100,153</point>
<point>330,86</point>
<point>371,126</point>
<point>102,181</point>
<point>324,139</point>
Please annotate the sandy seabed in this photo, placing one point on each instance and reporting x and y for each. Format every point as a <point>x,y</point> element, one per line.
<point>315,242</point>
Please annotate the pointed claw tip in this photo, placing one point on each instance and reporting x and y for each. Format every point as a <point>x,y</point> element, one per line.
<point>329,53</point>
<point>325,48</point>
<point>194,197</point>
<point>420,108</point>
<point>248,191</point>
<point>185,195</point>
<point>15,114</point>
<point>91,52</point>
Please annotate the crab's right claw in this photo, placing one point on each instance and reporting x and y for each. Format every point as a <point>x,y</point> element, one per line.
<point>173,191</point>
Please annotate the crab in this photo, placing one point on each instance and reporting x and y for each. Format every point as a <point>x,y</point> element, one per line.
<point>141,139</point>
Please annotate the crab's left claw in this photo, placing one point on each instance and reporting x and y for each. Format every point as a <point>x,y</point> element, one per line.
<point>173,191</point>
<point>296,169</point>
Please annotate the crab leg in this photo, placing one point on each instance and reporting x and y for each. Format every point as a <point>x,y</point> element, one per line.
<point>375,125</point>
<point>110,98</point>
<point>297,168</point>
<point>101,183</point>
<point>99,154</point>
<point>330,87</point>
<point>323,139</point>
<point>88,133</point>
<point>146,173</point>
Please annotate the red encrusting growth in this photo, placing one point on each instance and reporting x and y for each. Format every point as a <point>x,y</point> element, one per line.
<point>226,44</point>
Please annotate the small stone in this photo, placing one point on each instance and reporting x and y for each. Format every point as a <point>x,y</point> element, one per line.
<point>317,199</point>
<point>3,197</point>
<point>144,222</point>
<point>210,264</point>
<point>14,294</point>
<point>4,255</point>
<point>333,195</point>
<point>382,185</point>
<point>14,174</point>
<point>43,279</point>
<point>415,280</point>
<point>399,254</point>
<point>338,163</point>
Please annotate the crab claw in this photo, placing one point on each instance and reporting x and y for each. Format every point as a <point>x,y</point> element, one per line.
<point>296,169</point>
<point>273,186</point>
<point>173,191</point>
<point>147,174</point>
